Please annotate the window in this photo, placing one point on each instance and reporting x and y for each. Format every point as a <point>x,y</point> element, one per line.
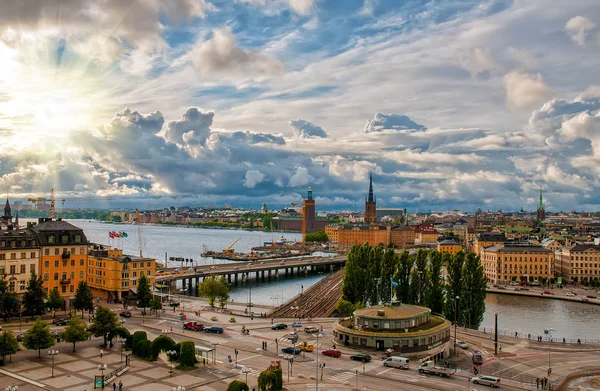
<point>82,250</point>
<point>33,243</point>
<point>65,250</point>
<point>71,288</point>
<point>2,256</point>
<point>148,264</point>
<point>23,255</point>
<point>72,262</point>
<point>81,274</point>
<point>13,255</point>
<point>21,285</point>
<point>50,239</point>
<point>11,286</point>
<point>77,239</point>
<point>72,275</point>
<point>81,262</point>
<point>64,289</point>
<point>13,269</point>
<point>135,274</point>
<point>56,276</point>
<point>46,276</point>
<point>46,251</point>
<point>56,251</point>
<point>72,250</point>
<point>65,263</point>
<point>23,269</point>
<point>56,263</point>
<point>31,268</point>
<point>32,255</point>
<point>64,238</point>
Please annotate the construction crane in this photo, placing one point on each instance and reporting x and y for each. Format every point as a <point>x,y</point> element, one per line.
<point>42,200</point>
<point>230,248</point>
<point>138,222</point>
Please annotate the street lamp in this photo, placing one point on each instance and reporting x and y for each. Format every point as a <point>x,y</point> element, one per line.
<point>178,388</point>
<point>122,342</point>
<point>549,366</point>
<point>289,358</point>
<point>171,354</point>
<point>52,353</point>
<point>214,344</point>
<point>14,388</point>
<point>455,324</point>
<point>317,347</point>
<point>102,368</point>
<point>245,371</point>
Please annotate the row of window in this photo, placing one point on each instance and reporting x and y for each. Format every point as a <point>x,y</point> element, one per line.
<point>22,269</point>
<point>63,276</point>
<point>22,256</point>
<point>64,238</point>
<point>65,250</point>
<point>129,266</point>
<point>12,285</point>
<point>581,264</point>
<point>21,243</point>
<point>585,258</point>
<point>585,271</point>
<point>65,263</point>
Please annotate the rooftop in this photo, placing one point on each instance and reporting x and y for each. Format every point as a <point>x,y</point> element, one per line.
<point>402,311</point>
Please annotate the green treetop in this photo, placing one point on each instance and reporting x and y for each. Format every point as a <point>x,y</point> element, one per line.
<point>34,296</point>
<point>105,324</point>
<point>8,345</point>
<point>144,295</point>
<point>9,303</point>
<point>55,300</point>
<point>38,337</point>
<point>75,331</point>
<point>83,298</point>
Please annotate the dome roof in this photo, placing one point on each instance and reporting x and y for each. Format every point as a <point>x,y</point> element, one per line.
<point>402,311</point>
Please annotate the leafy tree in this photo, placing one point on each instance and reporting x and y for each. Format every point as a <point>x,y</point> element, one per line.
<point>355,286</point>
<point>419,278</point>
<point>144,295</point>
<point>33,298</point>
<point>55,301</point>
<point>474,283</point>
<point>138,337</point>
<point>237,385</point>
<point>267,222</point>
<point>267,381</point>
<point>454,287</point>
<point>160,344</point>
<point>434,295</point>
<point>38,337</point>
<point>8,345</point>
<point>317,236</point>
<point>187,356</point>
<point>334,220</point>
<point>373,274</point>
<point>388,267</point>
<point>144,349</point>
<point>83,298</point>
<point>75,331</point>
<point>156,305</point>
<point>405,265</point>
<point>344,308</point>
<point>104,324</point>
<point>213,287</point>
<point>9,303</point>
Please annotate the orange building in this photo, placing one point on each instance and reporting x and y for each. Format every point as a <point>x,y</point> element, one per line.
<point>347,235</point>
<point>402,236</point>
<point>426,236</point>
<point>449,246</point>
<point>112,275</point>
<point>63,255</point>
<point>503,264</point>
<point>487,239</point>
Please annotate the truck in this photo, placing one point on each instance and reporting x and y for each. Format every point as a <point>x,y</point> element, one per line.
<point>432,369</point>
<point>193,326</point>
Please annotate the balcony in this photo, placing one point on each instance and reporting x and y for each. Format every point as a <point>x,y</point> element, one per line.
<point>66,255</point>
<point>65,281</point>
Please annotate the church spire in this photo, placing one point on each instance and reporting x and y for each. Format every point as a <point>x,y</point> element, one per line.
<point>370,199</point>
<point>7,209</point>
<point>541,203</point>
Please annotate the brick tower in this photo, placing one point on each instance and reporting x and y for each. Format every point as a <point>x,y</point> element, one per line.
<point>308,214</point>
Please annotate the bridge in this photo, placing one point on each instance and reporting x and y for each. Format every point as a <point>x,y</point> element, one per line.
<point>266,269</point>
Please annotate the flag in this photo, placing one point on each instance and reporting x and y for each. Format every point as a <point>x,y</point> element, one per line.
<point>394,283</point>
<point>111,235</point>
<point>123,234</point>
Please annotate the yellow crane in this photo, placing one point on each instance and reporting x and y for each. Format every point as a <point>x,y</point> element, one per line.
<point>63,199</point>
<point>230,248</point>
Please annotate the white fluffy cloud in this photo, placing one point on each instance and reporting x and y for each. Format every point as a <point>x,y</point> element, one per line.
<point>301,7</point>
<point>253,178</point>
<point>524,90</point>
<point>305,129</point>
<point>579,28</point>
<point>478,61</point>
<point>391,122</point>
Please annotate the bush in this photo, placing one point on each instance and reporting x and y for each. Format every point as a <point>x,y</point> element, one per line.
<point>161,343</point>
<point>214,319</point>
<point>144,349</point>
<point>267,381</point>
<point>237,385</point>
<point>187,357</point>
<point>231,320</point>
<point>278,385</point>
<point>138,337</point>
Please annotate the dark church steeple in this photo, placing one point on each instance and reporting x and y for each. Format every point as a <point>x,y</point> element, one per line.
<point>7,217</point>
<point>370,198</point>
<point>371,204</point>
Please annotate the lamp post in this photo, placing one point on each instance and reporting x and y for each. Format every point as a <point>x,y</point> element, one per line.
<point>455,323</point>
<point>178,388</point>
<point>52,353</point>
<point>102,368</point>
<point>549,366</point>
<point>288,357</point>
<point>246,371</point>
<point>122,342</point>
<point>171,354</point>
<point>214,344</point>
<point>317,348</point>
<point>14,388</point>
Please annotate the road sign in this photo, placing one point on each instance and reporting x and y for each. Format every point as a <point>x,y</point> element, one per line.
<point>297,325</point>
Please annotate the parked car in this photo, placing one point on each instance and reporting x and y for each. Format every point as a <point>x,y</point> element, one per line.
<point>331,353</point>
<point>193,326</point>
<point>361,357</point>
<point>125,314</point>
<point>548,293</point>
<point>485,380</point>
<point>278,326</point>
<point>291,350</point>
<point>462,344</point>
<point>571,294</point>
<point>20,337</point>
<point>306,347</point>
<point>214,329</point>
<point>396,362</point>
<point>60,321</point>
<point>514,283</point>
<point>311,329</point>
<point>174,304</point>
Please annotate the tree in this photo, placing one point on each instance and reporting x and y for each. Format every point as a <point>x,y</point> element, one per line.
<point>267,222</point>
<point>237,385</point>
<point>187,356</point>
<point>474,284</point>
<point>434,295</point>
<point>160,344</point>
<point>38,337</point>
<point>8,345</point>
<point>355,286</point>
<point>374,273</point>
<point>55,301</point>
<point>9,303</point>
<point>317,236</point>
<point>402,277</point>
<point>213,287</point>
<point>419,278</point>
<point>388,267</point>
<point>75,331</point>
<point>156,305</point>
<point>83,298</point>
<point>105,324</point>
<point>33,298</point>
<point>454,287</point>
<point>266,381</point>
<point>144,295</point>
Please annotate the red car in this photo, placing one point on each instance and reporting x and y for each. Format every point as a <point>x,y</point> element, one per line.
<point>332,353</point>
<point>193,326</point>
<point>548,293</point>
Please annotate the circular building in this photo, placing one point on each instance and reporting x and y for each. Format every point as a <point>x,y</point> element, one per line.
<point>412,331</point>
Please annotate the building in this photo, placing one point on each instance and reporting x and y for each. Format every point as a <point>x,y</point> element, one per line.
<point>487,239</point>
<point>541,211</point>
<point>410,330</point>
<point>579,263</point>
<point>308,214</point>
<point>392,215</point>
<point>449,246</point>
<point>63,255</point>
<point>402,236</point>
<point>551,244</point>
<point>347,235</point>
<point>370,204</point>
<point>426,236</point>
<point>113,276</point>
<point>19,257</point>
<point>505,263</point>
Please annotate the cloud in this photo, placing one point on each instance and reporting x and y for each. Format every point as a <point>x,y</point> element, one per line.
<point>368,8</point>
<point>194,127</point>
<point>221,55</point>
<point>301,7</point>
<point>253,177</point>
<point>524,59</point>
<point>305,129</point>
<point>300,177</point>
<point>524,90</point>
<point>391,121</point>
<point>579,28</point>
<point>478,62</point>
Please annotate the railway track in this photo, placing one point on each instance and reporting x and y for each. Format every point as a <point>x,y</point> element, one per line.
<point>317,301</point>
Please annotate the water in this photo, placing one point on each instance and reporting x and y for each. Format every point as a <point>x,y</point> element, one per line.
<point>516,313</point>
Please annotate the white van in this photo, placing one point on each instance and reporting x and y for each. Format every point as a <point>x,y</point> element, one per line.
<point>396,362</point>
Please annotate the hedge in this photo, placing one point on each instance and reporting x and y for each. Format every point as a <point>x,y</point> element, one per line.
<point>237,385</point>
<point>187,357</point>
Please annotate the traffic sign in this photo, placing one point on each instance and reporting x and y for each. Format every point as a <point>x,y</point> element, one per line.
<point>297,325</point>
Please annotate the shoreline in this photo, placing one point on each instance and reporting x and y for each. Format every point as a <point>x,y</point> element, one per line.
<point>575,299</point>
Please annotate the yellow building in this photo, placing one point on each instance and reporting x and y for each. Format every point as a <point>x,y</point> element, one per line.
<point>112,275</point>
<point>503,264</point>
<point>579,263</point>
<point>487,239</point>
<point>19,257</point>
<point>449,246</point>
<point>63,255</point>
<point>347,235</point>
<point>426,236</point>
<point>402,236</point>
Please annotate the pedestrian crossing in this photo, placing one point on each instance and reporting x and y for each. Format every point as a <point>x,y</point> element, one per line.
<point>343,376</point>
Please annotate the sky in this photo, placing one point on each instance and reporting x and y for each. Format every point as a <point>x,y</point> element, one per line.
<point>453,104</point>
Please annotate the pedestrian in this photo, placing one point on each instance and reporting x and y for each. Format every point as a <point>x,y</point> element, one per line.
<point>204,362</point>
<point>101,353</point>
<point>500,348</point>
<point>516,334</point>
<point>564,340</point>
<point>537,383</point>
<point>120,386</point>
<point>114,386</point>
<point>528,336</point>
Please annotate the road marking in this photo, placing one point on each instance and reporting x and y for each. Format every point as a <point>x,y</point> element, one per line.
<point>382,372</point>
<point>248,358</point>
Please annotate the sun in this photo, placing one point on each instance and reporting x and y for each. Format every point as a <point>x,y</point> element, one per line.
<point>59,112</point>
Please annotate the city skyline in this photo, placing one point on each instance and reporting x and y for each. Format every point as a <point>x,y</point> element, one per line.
<point>467,104</point>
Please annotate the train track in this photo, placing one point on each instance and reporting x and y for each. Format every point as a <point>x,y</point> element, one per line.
<point>317,301</point>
